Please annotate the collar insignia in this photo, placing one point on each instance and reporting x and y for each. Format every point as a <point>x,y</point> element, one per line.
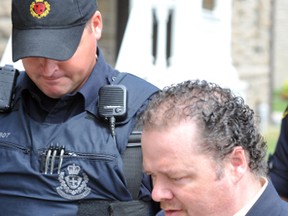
<point>39,8</point>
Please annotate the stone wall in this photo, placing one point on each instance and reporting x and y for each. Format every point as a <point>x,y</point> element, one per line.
<point>107,43</point>
<point>280,49</point>
<point>5,24</point>
<point>251,34</point>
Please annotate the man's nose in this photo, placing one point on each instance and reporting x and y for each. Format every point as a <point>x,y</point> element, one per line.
<point>161,190</point>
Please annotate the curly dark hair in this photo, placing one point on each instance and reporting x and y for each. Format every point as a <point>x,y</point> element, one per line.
<point>223,119</point>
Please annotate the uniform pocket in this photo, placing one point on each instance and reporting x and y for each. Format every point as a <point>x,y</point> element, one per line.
<point>81,175</point>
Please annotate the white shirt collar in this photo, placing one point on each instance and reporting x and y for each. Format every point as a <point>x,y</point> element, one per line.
<point>243,211</point>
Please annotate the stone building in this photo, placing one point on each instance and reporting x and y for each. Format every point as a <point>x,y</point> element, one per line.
<point>259,47</point>
<point>251,50</point>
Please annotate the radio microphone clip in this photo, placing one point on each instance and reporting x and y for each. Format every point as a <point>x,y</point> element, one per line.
<point>113,104</point>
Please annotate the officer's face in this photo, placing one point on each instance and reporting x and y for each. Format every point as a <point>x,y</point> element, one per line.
<point>57,78</point>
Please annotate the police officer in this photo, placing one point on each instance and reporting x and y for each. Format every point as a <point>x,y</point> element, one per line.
<point>57,153</point>
<point>278,162</point>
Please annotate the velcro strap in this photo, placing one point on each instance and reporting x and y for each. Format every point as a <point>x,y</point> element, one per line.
<point>114,208</point>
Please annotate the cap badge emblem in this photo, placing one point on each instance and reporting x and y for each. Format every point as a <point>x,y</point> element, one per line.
<point>39,8</point>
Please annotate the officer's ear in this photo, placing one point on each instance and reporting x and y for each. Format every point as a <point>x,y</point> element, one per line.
<point>96,24</point>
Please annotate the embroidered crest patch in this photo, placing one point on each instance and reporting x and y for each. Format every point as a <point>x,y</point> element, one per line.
<point>39,8</point>
<point>73,186</point>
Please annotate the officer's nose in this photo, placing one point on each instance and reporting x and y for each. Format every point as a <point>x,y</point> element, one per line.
<point>49,67</point>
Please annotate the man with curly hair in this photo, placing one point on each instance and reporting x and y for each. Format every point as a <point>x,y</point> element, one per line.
<point>202,147</point>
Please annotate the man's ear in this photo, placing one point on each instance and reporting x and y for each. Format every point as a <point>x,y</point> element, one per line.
<point>96,24</point>
<point>238,163</point>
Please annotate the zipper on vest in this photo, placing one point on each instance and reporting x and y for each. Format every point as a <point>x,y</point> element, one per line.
<point>14,146</point>
<point>106,157</point>
<point>53,157</point>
